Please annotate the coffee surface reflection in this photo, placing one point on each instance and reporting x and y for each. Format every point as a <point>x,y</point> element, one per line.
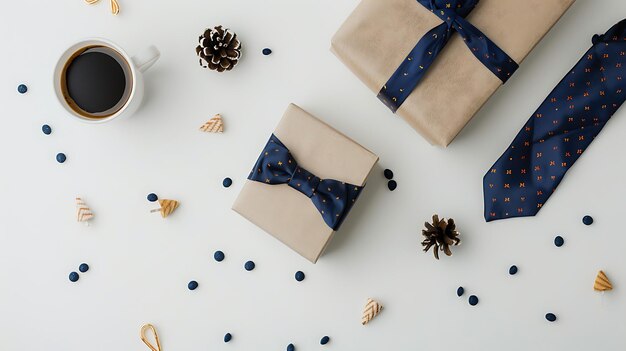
<point>96,81</point>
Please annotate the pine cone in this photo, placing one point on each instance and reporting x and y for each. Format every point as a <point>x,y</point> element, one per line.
<point>441,235</point>
<point>219,49</point>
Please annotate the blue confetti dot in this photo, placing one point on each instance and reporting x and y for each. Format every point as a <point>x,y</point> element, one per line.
<point>551,317</point>
<point>392,185</point>
<point>83,267</point>
<point>227,182</point>
<point>587,220</point>
<point>152,197</point>
<point>61,157</point>
<point>559,241</point>
<point>290,347</point>
<point>513,270</point>
<point>22,89</point>
<point>249,265</point>
<point>325,340</point>
<point>227,337</point>
<point>218,256</point>
<point>299,276</point>
<point>267,51</point>
<point>46,129</point>
<point>193,285</point>
<point>74,277</point>
<point>460,291</point>
<point>388,174</point>
<point>473,300</point>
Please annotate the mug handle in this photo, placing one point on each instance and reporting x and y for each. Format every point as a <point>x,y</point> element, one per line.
<point>146,58</point>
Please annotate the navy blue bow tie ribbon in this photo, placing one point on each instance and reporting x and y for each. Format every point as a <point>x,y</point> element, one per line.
<point>556,135</point>
<point>332,198</point>
<point>452,12</point>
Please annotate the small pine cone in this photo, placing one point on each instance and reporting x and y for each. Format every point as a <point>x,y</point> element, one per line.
<point>218,49</point>
<point>440,235</point>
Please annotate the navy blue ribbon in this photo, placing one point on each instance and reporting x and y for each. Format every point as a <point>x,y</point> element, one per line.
<point>414,67</point>
<point>332,198</point>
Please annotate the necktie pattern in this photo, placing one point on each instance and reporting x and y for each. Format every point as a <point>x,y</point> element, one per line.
<point>556,135</point>
<point>332,198</point>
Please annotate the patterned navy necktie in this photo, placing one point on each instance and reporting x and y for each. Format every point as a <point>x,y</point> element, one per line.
<point>555,136</point>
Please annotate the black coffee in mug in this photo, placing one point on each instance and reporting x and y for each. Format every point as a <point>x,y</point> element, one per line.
<point>96,81</point>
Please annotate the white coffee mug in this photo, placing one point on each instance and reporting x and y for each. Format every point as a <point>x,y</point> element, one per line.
<point>137,65</point>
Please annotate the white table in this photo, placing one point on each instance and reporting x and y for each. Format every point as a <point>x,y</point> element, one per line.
<point>140,263</point>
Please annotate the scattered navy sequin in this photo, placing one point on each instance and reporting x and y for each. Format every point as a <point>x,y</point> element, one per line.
<point>587,220</point>
<point>325,340</point>
<point>559,241</point>
<point>249,265</point>
<point>290,347</point>
<point>218,256</point>
<point>388,174</point>
<point>83,267</point>
<point>392,185</point>
<point>193,285</point>
<point>267,51</point>
<point>227,182</point>
<point>473,300</point>
<point>460,291</point>
<point>74,277</point>
<point>22,89</point>
<point>46,129</point>
<point>227,337</point>
<point>61,157</point>
<point>513,270</point>
<point>551,317</point>
<point>299,276</point>
<point>152,197</point>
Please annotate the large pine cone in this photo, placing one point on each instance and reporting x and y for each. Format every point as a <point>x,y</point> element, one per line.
<point>219,49</point>
<point>440,235</point>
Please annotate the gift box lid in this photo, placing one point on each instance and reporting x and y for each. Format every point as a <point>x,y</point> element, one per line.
<point>287,214</point>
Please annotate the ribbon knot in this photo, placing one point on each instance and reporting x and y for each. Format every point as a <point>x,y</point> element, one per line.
<point>449,17</point>
<point>332,198</point>
<point>449,10</point>
<point>452,12</point>
<point>460,7</point>
<point>304,181</point>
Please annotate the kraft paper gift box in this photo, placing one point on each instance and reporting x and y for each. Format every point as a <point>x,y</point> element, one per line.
<point>286,213</point>
<point>377,37</point>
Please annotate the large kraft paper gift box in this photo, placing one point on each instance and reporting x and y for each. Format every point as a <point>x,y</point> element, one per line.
<point>289,214</point>
<point>377,37</point>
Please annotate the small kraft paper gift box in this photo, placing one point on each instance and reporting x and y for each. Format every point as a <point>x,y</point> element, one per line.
<point>436,62</point>
<point>304,183</point>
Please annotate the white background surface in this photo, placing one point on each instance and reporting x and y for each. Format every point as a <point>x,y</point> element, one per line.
<point>140,263</point>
